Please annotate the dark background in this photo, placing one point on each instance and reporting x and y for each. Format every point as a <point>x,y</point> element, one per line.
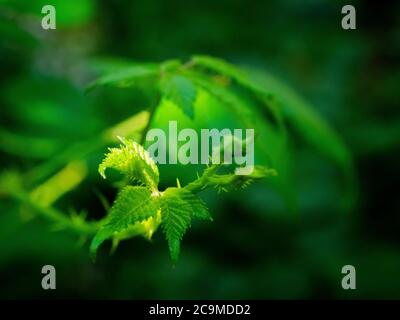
<point>254,248</point>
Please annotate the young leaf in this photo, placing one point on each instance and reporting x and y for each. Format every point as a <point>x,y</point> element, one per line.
<point>181,91</point>
<point>134,161</point>
<point>176,218</point>
<point>133,204</point>
<point>199,209</point>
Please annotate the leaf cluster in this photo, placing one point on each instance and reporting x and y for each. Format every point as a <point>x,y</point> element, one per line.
<point>140,208</point>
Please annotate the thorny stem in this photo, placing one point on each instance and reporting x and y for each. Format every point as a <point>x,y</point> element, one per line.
<point>210,178</point>
<point>202,182</point>
<point>60,219</point>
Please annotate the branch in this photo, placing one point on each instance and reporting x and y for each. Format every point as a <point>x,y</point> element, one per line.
<point>62,221</point>
<point>225,182</point>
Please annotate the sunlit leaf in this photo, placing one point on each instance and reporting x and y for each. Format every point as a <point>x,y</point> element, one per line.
<point>134,161</point>
<point>181,91</point>
<point>133,204</point>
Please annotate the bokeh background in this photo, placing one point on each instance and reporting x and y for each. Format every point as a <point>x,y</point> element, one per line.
<point>256,247</point>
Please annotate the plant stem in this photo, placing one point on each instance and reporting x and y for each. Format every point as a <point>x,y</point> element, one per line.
<point>59,218</point>
<point>202,182</point>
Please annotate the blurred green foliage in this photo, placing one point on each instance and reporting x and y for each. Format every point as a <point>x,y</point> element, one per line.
<point>283,239</point>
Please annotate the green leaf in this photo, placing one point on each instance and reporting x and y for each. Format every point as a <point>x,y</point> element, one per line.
<point>199,209</point>
<point>178,207</point>
<point>133,204</point>
<point>102,235</point>
<point>170,65</point>
<point>127,77</point>
<point>236,102</point>
<point>279,98</point>
<point>313,129</point>
<point>276,152</point>
<point>134,161</point>
<point>307,122</point>
<point>241,77</point>
<point>221,67</point>
<point>229,70</point>
<point>181,91</point>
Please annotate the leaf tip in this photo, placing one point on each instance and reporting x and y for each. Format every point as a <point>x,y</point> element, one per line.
<point>102,171</point>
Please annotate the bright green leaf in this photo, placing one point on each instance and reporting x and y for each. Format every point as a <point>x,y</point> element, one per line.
<point>176,218</point>
<point>133,204</point>
<point>134,161</point>
<point>181,91</point>
<point>198,207</point>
